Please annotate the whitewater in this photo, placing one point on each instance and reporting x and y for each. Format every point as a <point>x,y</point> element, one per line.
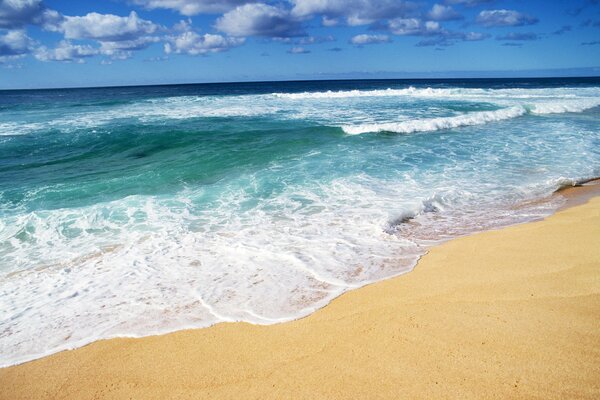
<point>127,212</point>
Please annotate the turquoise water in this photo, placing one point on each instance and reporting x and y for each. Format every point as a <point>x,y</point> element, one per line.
<point>134,211</point>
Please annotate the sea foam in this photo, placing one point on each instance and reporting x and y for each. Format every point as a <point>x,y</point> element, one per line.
<point>434,124</point>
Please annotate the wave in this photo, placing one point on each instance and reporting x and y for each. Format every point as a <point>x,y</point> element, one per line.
<point>445,92</point>
<point>359,93</point>
<point>435,124</point>
<point>470,119</point>
<point>557,107</point>
<point>381,104</point>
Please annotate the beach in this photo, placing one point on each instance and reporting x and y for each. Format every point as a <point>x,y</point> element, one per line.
<point>302,199</point>
<point>508,313</point>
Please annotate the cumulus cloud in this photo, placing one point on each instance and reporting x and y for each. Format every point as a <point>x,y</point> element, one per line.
<point>363,39</point>
<point>259,19</point>
<point>106,27</point>
<point>413,27</point>
<point>18,13</point>
<point>194,7</point>
<point>329,21</point>
<point>14,44</point>
<point>518,36</point>
<point>491,18</point>
<point>298,50</point>
<point>194,44</point>
<point>118,36</point>
<point>432,32</point>
<point>308,40</point>
<point>355,12</point>
<point>472,36</point>
<point>446,38</point>
<point>440,12</point>
<point>305,40</point>
<point>123,49</point>
<point>65,51</point>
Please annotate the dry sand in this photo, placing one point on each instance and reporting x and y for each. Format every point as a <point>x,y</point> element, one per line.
<point>513,313</point>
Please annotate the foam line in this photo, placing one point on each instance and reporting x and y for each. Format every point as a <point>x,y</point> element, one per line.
<point>435,124</point>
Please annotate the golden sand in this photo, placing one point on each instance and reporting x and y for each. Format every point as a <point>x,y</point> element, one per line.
<point>513,313</point>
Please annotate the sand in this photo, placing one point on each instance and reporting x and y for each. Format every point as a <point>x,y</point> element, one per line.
<point>512,313</point>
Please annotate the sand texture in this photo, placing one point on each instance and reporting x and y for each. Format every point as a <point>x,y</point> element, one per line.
<point>513,313</point>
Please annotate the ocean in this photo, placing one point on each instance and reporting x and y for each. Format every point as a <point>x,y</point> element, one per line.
<point>132,211</point>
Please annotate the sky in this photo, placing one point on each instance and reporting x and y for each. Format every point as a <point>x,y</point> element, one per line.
<point>67,43</point>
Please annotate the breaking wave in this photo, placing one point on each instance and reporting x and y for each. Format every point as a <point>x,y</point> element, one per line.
<point>470,119</point>
<point>435,124</point>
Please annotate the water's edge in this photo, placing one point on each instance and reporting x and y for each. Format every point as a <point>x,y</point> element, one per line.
<point>578,193</point>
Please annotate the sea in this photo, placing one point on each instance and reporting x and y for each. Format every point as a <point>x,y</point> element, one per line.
<point>135,211</point>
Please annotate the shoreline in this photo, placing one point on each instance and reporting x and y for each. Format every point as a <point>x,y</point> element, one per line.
<point>572,194</point>
<point>23,375</point>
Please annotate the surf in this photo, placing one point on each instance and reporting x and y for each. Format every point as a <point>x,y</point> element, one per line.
<point>130,212</point>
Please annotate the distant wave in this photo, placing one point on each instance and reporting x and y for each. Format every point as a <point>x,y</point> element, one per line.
<point>559,107</point>
<point>470,119</point>
<point>362,93</point>
<point>443,92</point>
<point>320,107</point>
<point>435,124</point>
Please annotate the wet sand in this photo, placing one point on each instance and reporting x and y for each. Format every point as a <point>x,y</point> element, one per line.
<point>512,313</point>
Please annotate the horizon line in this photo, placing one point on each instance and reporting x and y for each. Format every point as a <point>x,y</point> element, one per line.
<point>422,78</point>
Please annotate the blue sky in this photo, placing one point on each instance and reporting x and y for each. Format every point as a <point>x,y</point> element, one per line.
<point>60,43</point>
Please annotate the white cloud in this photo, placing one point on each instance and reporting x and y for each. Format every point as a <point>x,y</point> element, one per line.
<point>106,27</point>
<point>259,20</point>
<point>447,38</point>
<point>118,36</point>
<point>194,44</point>
<point>356,12</point>
<point>432,32</point>
<point>14,45</point>
<point>440,12</point>
<point>123,49</point>
<point>298,50</point>
<point>194,7</point>
<point>474,36</point>
<point>363,39</point>
<point>490,18</point>
<point>413,27</point>
<point>18,13</point>
<point>329,21</point>
<point>65,51</point>
<point>183,25</point>
<point>315,40</point>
